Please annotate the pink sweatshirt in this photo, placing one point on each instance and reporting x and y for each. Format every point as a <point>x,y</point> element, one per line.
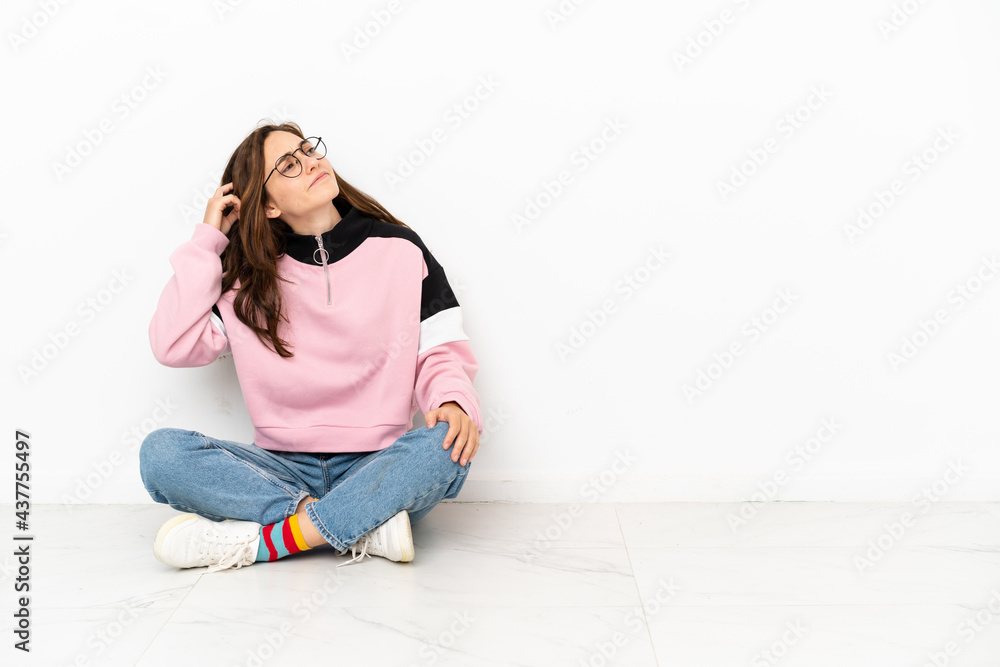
<point>375,328</point>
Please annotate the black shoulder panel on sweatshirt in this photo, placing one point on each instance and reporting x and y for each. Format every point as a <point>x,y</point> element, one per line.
<point>436,294</point>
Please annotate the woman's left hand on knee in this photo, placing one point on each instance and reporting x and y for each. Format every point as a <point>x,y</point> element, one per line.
<point>462,431</point>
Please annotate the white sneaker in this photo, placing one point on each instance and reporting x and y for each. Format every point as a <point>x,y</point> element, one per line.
<point>190,540</point>
<point>392,540</point>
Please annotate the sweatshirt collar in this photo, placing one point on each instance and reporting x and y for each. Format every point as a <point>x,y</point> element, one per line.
<point>338,242</point>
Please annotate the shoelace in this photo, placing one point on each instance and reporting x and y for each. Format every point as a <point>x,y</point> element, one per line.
<point>366,539</point>
<point>228,554</point>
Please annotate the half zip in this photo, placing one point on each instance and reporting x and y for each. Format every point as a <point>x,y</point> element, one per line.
<point>324,255</point>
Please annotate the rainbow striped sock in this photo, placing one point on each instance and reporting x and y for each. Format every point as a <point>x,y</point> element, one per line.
<point>281,539</point>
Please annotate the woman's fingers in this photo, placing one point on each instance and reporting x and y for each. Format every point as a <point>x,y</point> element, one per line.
<point>466,444</point>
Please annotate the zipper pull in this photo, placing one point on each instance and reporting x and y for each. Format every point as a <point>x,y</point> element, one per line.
<point>324,255</point>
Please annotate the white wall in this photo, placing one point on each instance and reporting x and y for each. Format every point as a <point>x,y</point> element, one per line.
<point>682,131</point>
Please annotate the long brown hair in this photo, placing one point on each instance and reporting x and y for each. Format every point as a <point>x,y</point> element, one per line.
<point>256,241</point>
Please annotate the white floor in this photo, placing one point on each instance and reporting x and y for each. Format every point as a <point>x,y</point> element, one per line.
<point>527,584</point>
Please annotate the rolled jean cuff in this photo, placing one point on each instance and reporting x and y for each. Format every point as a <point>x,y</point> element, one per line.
<point>327,535</point>
<point>295,503</point>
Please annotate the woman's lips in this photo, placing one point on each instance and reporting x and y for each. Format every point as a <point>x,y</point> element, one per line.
<point>318,178</point>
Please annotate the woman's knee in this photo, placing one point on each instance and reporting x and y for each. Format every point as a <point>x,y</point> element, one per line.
<point>423,449</point>
<point>436,436</point>
<point>162,447</point>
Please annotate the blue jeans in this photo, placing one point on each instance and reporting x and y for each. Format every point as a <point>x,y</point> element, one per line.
<point>356,491</point>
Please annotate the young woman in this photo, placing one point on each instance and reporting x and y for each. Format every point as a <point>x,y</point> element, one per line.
<point>341,324</point>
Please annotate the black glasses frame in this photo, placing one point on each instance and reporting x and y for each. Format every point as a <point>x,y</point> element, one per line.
<point>316,146</point>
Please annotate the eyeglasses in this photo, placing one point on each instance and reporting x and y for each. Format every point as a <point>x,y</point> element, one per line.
<point>289,166</point>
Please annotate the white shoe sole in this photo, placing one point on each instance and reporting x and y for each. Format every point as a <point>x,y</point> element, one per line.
<point>161,535</point>
<point>402,532</point>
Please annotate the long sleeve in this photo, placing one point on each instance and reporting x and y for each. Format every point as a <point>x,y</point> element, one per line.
<point>446,365</point>
<point>184,330</point>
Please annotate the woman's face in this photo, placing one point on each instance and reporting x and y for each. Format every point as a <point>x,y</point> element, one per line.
<point>300,195</point>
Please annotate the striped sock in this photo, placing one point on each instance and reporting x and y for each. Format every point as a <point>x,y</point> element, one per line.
<point>281,539</point>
